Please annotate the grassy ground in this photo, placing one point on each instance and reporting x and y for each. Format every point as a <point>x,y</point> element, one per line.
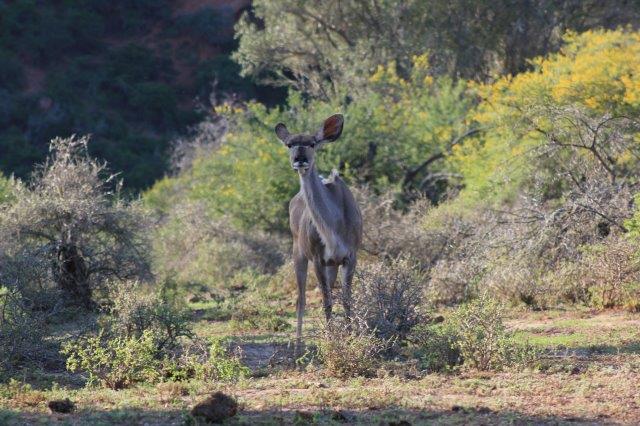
<point>589,376</point>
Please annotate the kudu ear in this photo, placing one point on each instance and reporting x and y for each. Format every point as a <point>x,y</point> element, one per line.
<point>282,132</point>
<point>331,129</point>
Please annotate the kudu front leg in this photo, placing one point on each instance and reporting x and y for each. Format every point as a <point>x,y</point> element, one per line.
<point>300,264</point>
<point>348,269</point>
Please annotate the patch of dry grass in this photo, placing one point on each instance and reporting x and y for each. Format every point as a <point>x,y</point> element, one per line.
<point>579,387</point>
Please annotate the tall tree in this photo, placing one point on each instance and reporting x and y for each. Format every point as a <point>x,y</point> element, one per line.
<point>323,46</point>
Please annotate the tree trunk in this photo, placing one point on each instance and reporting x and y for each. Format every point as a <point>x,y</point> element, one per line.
<point>70,273</point>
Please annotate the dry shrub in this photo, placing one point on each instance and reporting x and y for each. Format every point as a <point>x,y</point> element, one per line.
<point>522,253</point>
<point>388,296</point>
<point>21,331</point>
<point>194,248</point>
<point>462,262</point>
<point>390,232</point>
<point>349,349</point>
<point>610,272</point>
<point>70,218</point>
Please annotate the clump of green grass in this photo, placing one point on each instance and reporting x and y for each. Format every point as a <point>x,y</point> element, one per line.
<point>474,336</point>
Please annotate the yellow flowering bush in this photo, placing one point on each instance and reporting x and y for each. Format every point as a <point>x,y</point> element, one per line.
<point>588,91</point>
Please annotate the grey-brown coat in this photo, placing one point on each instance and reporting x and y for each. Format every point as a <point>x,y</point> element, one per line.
<point>325,220</point>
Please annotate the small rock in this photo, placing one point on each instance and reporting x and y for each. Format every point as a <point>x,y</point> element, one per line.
<point>457,408</point>
<point>61,405</point>
<point>216,408</point>
<point>400,423</point>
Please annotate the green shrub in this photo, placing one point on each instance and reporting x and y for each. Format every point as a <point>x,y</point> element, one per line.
<point>435,347</point>
<point>480,333</point>
<point>135,312</point>
<point>155,102</point>
<point>389,132</point>
<point>207,361</point>
<point>115,363</point>
<point>482,339</point>
<point>473,336</point>
<point>222,367</point>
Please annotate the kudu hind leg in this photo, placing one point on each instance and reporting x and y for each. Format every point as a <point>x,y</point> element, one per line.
<point>300,264</point>
<point>323,274</point>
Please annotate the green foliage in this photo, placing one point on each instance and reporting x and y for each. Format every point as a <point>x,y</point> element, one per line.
<point>11,72</point>
<point>633,224</point>
<point>474,336</point>
<point>481,333</point>
<point>104,68</point>
<point>114,363</point>
<point>7,194</point>
<point>13,388</point>
<point>133,313</point>
<point>194,249</point>
<point>250,301</point>
<point>207,24</point>
<point>224,72</point>
<point>143,342</point>
<point>252,314</point>
<point>435,346</point>
<point>212,363</point>
<point>223,367</point>
<point>482,339</point>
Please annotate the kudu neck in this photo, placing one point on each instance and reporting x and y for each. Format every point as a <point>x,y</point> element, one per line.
<point>317,198</point>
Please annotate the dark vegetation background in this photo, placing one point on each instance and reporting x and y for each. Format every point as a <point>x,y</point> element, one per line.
<point>135,74</point>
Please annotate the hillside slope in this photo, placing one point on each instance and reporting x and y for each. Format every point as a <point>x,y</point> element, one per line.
<point>130,73</point>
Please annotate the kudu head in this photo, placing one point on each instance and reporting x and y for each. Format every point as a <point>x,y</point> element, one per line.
<point>302,146</point>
